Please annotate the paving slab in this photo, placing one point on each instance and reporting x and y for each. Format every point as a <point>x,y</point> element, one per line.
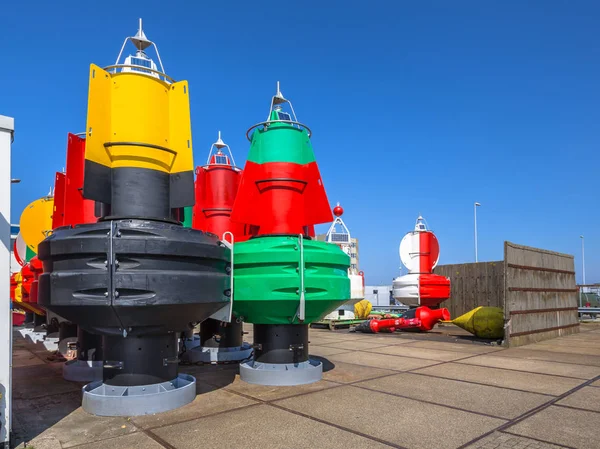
<point>34,372</point>
<point>218,376</point>
<point>560,425</point>
<point>458,347</point>
<point>347,373</point>
<point>133,441</point>
<point>79,427</point>
<point>24,357</point>
<point>499,440</point>
<point>264,427</point>
<point>381,361</point>
<point>539,354</point>
<point>31,417</point>
<point>580,343</point>
<point>386,339</point>
<point>268,393</point>
<point>499,402</point>
<point>356,345</point>
<point>535,366</point>
<point>32,387</point>
<point>404,422</point>
<point>321,340</point>
<point>535,383</point>
<point>421,353</point>
<point>570,349</point>
<point>324,351</point>
<point>588,398</point>
<point>339,336</point>
<point>206,404</point>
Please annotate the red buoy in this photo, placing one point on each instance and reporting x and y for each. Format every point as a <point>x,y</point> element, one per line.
<point>35,265</point>
<point>78,210</point>
<point>70,207</point>
<point>58,213</point>
<point>216,187</point>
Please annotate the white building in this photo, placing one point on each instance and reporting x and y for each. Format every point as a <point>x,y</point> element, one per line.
<point>379,295</point>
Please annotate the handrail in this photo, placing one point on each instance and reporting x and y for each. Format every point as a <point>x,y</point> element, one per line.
<point>268,122</point>
<point>234,167</point>
<point>302,306</point>
<point>139,69</point>
<point>230,246</point>
<point>140,144</point>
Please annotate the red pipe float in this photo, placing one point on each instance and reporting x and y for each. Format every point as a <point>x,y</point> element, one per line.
<point>424,319</point>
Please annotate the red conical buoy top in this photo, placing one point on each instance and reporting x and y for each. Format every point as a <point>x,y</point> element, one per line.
<point>216,187</point>
<point>70,208</point>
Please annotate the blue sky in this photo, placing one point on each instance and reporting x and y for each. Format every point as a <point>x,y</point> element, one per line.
<point>416,107</point>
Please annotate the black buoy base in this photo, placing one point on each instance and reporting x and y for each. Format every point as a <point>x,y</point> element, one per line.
<point>281,357</point>
<point>87,367</point>
<point>139,377</point>
<point>140,360</point>
<point>89,346</point>
<point>218,334</point>
<point>220,342</point>
<point>40,321</point>
<point>280,343</point>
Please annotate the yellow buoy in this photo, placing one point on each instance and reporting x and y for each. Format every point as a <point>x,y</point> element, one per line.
<point>483,322</point>
<point>36,222</point>
<point>18,293</point>
<point>362,309</point>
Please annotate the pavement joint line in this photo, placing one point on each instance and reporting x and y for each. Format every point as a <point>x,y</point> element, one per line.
<point>523,371</point>
<point>332,347</point>
<point>106,439</point>
<point>550,353</point>
<point>500,348</point>
<point>44,396</point>
<point>432,403</point>
<point>209,415</point>
<point>439,362</point>
<point>157,439</point>
<point>576,408</point>
<point>538,440</point>
<point>479,383</point>
<point>364,380</point>
<point>530,413</point>
<point>337,426</point>
<point>45,360</point>
<point>338,384</point>
<point>267,401</point>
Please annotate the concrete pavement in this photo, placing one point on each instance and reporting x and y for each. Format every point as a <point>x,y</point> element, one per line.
<point>436,391</point>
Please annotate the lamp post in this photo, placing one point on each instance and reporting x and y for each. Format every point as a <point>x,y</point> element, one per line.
<point>582,270</point>
<point>475,217</point>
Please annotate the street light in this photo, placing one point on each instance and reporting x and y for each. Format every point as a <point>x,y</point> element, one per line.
<point>475,216</point>
<point>582,258</point>
<point>582,270</point>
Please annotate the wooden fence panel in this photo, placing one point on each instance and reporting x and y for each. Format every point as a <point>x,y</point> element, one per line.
<point>541,294</point>
<point>473,285</point>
